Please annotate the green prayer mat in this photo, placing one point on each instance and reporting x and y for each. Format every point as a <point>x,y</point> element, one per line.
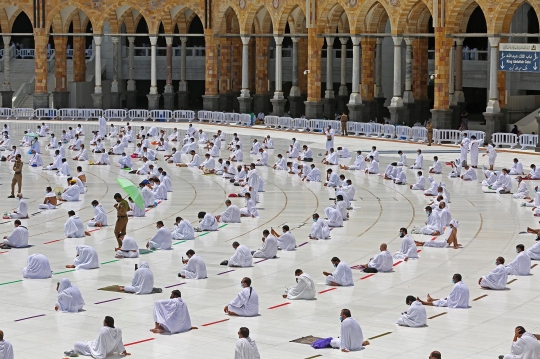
<point>306,340</point>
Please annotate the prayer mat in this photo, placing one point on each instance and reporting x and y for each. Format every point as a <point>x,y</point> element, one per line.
<point>28,246</point>
<point>144,251</point>
<point>114,288</point>
<point>305,340</point>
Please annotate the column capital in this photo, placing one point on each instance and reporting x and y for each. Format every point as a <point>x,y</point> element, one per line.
<point>278,39</point>
<point>344,41</point>
<point>379,40</point>
<point>153,40</point>
<point>355,40</point>
<point>494,41</point>
<point>409,41</point>
<point>6,39</point>
<point>459,41</point>
<point>183,39</point>
<point>329,41</point>
<point>397,40</point>
<point>245,40</point>
<point>115,39</point>
<point>131,39</point>
<point>295,39</point>
<point>97,39</point>
<point>168,40</point>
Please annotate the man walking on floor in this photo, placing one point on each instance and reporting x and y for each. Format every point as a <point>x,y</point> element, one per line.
<point>17,177</point>
<point>122,207</point>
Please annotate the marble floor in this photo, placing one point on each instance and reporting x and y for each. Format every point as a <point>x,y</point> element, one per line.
<point>490,227</point>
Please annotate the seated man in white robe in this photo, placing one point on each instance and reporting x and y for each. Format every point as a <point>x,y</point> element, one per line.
<point>113,131</point>
<point>517,168</point>
<point>294,151</point>
<point>162,239</point>
<point>194,266</point>
<point>433,227</point>
<point>522,190</point>
<point>207,222</point>
<point>374,153</point>
<point>342,275</point>
<point>38,267</point>
<point>147,194</point>
<point>103,160</point>
<point>108,342</point>
<point>334,217</point>
<point>373,166</point>
<point>87,258</point>
<point>149,153</point>
<point>343,152</point>
<point>401,177</point>
<point>445,241</point>
<point>331,158</point>
<point>319,228</point>
<point>491,177</point>
<point>195,161</point>
<point>389,171</point>
<point>57,162</point>
<point>18,238</point>
<point>241,258</point>
<point>281,164</point>
<point>408,247</point>
<point>469,174</point>
<point>419,162</point>
<point>306,154</point>
<point>497,278</point>
<point>433,187</point>
<point>245,346</point>
<point>268,143</point>
<point>35,160</point>
<point>286,241</point>
<point>255,148</point>
<point>82,155</point>
<point>250,210</point>
<point>304,288</point>
<point>207,166</point>
<point>332,179</point>
<point>74,228</point>
<point>172,315</point>
<point>415,316</point>
<point>230,215</point>
<point>458,297</point>
<point>525,345</point>
<point>213,149</point>
<point>14,152</point>
<point>314,174</point>
<point>129,248</point>
<point>246,303</point>
<point>521,265</point>
<point>64,169</point>
<point>189,146</point>
<point>535,173</point>
<point>503,184</point>
<point>382,262</point>
<point>237,155</point>
<point>117,149</point>
<point>263,160</point>
<point>71,194</point>
<point>22,209</point>
<point>437,166</point>
<point>160,191</point>
<point>341,205</point>
<point>100,215</point>
<point>269,248</point>
<point>444,214</point>
<point>351,337</point>
<point>70,299</point>
<point>142,282</point>
<point>174,157</point>
<point>135,210</point>
<point>402,158</point>
<point>359,163</point>
<point>183,229</point>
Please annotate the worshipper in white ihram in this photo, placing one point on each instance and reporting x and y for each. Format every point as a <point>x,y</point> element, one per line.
<point>135,210</point>
<point>497,278</point>
<point>335,219</point>
<point>38,267</point>
<point>464,147</point>
<point>87,258</point>
<point>534,251</point>
<point>517,168</point>
<point>433,225</point>
<point>129,248</point>
<point>351,337</point>
<point>522,190</point>
<point>408,247</point>
<point>304,288</point>
<point>442,241</point>
<point>18,238</point>
<point>342,275</point>
<point>373,166</point>
<point>314,175</point>
<point>319,228</point>
<point>6,349</point>
<point>142,282</point>
<point>241,258</point>
<point>162,239</point>
<point>286,241</point>
<point>70,299</point>
<point>183,229</point>
<point>503,184</point>
<point>246,303</point>
<point>359,163</point>
<point>245,348</point>
<point>415,316</point>
<point>230,215</point>
<point>109,341</point>
<point>194,266</point>
<point>492,155</point>
<point>71,194</point>
<point>458,297</point>
<point>269,247</point>
<point>207,222</point>
<point>382,262</point>
<point>437,166</point>
<point>469,174</point>
<point>74,228</point>
<point>420,182</point>
<point>22,209</point>
<point>171,315</point>
<point>419,162</point>
<point>521,265</point>
<point>524,346</point>
<point>100,215</point>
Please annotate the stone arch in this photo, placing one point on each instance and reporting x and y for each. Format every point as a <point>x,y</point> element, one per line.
<point>264,23</point>
<point>293,14</point>
<point>372,17</point>
<point>505,12</point>
<point>110,14</point>
<point>66,18</point>
<point>414,17</point>
<point>171,13</point>
<point>226,18</point>
<point>459,14</point>
<point>182,21</point>
<point>127,20</point>
<point>330,15</point>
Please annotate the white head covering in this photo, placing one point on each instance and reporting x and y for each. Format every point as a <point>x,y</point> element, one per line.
<point>454,223</point>
<point>431,179</point>
<point>143,280</point>
<point>87,259</point>
<point>129,244</point>
<point>70,299</point>
<point>38,267</point>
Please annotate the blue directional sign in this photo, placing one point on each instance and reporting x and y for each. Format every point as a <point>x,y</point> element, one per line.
<point>519,57</point>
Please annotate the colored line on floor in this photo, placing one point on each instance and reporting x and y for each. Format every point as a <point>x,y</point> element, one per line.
<point>398,262</point>
<point>203,234</point>
<point>65,271</point>
<point>114,260</point>
<point>35,316</point>
<point>13,281</point>
<point>110,300</point>
<point>367,276</point>
<point>262,260</point>
<point>512,281</point>
<point>480,297</point>
<point>93,230</point>
<point>232,270</point>
<point>139,341</point>
<point>534,265</point>
<point>175,285</point>
<point>280,305</point>
<point>438,315</point>
<point>326,290</point>
<point>223,225</point>
<point>4,252</point>
<point>380,335</point>
<point>315,356</point>
<point>303,244</point>
<point>180,242</point>
<point>418,251</point>
<point>217,322</point>
<point>434,238</point>
<point>56,240</point>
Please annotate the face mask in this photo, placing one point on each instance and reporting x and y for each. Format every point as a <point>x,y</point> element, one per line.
<point>496,263</point>
<point>517,251</point>
<point>401,235</point>
<point>517,180</point>
<point>335,265</point>
<point>428,213</point>
<point>453,281</point>
<point>241,285</point>
<point>18,199</point>
<point>314,220</point>
<point>340,318</point>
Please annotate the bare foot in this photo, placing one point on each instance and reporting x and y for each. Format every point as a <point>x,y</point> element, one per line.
<point>194,328</point>
<point>70,266</point>
<point>406,259</point>
<point>87,233</point>
<point>157,331</point>
<point>365,342</point>
<point>334,284</point>
<point>232,313</point>
<point>284,296</point>
<point>429,299</point>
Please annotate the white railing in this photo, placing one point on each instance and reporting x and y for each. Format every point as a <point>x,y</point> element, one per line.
<point>232,117</point>
<point>50,53</point>
<point>204,116</point>
<point>419,134</point>
<point>5,112</point>
<point>24,53</point>
<point>162,51</point>
<point>377,129</point>
<point>285,123</point>
<point>354,128</point>
<point>218,117</point>
<point>480,135</point>
<point>115,114</point>
<point>79,113</point>
<point>49,113</point>
<point>403,133</point>
<point>161,115</point>
<point>454,136</point>
<point>138,115</point>
<point>23,113</point>
<point>300,124</point>
<point>389,131</point>
<point>183,115</point>
<point>505,139</point>
<point>271,121</point>
<point>88,53</point>
<point>528,141</point>
<point>244,120</point>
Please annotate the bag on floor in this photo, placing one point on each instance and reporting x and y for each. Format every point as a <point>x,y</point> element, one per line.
<point>322,343</point>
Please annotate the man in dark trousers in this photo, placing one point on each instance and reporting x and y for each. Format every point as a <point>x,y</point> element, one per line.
<point>122,207</point>
<point>17,176</point>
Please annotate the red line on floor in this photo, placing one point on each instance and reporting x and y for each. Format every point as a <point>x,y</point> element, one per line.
<point>140,341</point>
<point>327,290</point>
<point>418,251</point>
<point>4,252</point>
<point>212,323</point>
<point>434,238</point>
<point>93,230</point>
<point>56,240</point>
<point>398,262</point>
<point>369,275</point>
<point>279,305</point>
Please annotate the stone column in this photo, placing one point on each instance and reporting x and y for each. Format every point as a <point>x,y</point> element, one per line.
<point>261,98</point>
<point>441,114</point>
<point>355,100</point>
<point>97,96</point>
<point>493,110</point>
<point>210,97</point>
<point>153,96</point>
<point>409,117</point>
<point>183,93</point>
<point>7,92</point>
<point>278,102</point>
<point>115,94</point>
<point>295,96</point>
<point>456,118</point>
<point>420,79</point>
<point>329,99</point>
<point>245,99</point>
<point>396,105</point>
<point>380,110</point>
<point>458,94</point>
<point>168,93</point>
<point>314,105</point>
<point>60,94</point>
<point>367,79</point>
<point>79,58</point>
<point>131,93</point>
<point>537,148</point>
<point>41,94</point>
<point>343,94</point>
